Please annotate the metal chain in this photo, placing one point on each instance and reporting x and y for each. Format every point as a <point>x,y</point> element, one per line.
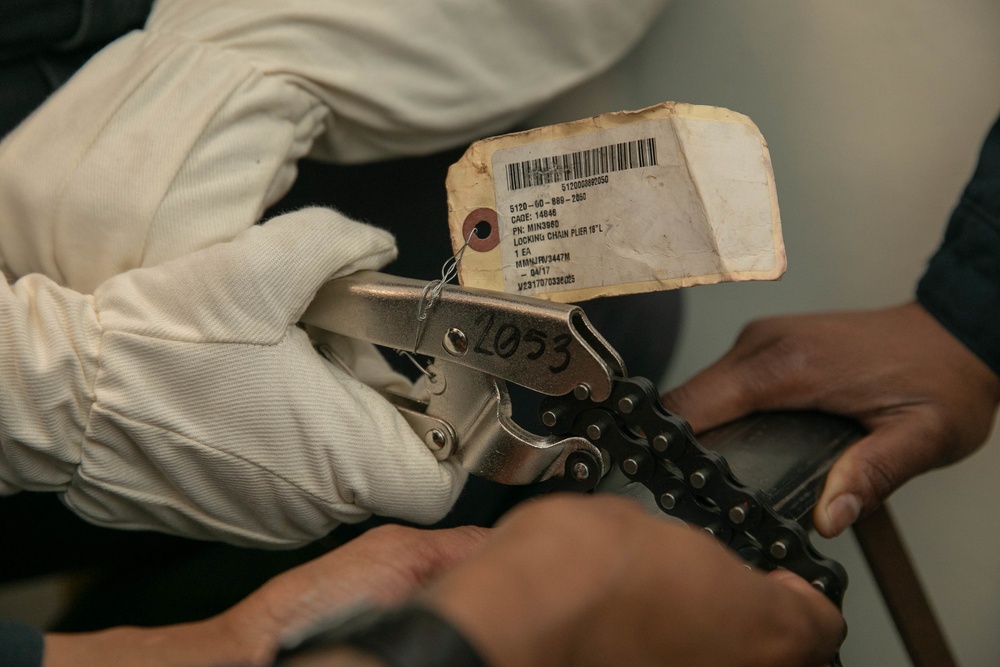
<point>656,448</point>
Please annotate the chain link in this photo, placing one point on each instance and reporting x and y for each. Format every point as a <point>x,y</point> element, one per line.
<point>656,448</point>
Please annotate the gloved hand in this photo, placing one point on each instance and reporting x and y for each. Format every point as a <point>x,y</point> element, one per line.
<point>183,397</point>
<point>180,135</point>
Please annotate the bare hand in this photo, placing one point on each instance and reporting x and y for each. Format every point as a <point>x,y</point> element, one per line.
<point>924,397</point>
<point>582,581</point>
<point>383,566</point>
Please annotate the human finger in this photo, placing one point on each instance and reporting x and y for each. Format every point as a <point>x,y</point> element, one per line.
<point>765,370</point>
<point>872,468</point>
<point>383,567</point>
<point>825,625</point>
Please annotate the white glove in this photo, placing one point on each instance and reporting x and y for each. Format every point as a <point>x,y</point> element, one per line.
<point>180,135</point>
<point>183,398</point>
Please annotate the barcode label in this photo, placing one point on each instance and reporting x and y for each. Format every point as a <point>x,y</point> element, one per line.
<point>582,164</point>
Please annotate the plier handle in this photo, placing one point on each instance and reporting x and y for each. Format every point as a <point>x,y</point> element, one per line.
<point>478,340</point>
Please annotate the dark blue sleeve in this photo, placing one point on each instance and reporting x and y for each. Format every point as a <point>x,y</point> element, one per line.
<point>43,42</point>
<point>961,287</point>
<point>20,645</point>
<point>30,27</point>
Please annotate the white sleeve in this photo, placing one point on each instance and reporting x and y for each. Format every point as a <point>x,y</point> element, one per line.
<point>180,135</point>
<point>184,397</point>
<point>48,366</point>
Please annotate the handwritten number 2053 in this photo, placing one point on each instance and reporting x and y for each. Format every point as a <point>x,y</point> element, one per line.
<point>504,339</point>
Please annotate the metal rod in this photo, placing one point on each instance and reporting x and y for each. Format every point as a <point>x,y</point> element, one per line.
<point>902,591</point>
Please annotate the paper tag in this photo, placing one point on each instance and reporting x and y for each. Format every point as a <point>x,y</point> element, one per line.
<point>669,196</point>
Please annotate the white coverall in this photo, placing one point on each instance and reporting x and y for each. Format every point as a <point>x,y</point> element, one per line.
<point>181,397</point>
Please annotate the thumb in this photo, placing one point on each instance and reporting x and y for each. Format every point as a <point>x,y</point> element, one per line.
<point>710,398</point>
<point>288,258</point>
<point>771,366</point>
<point>828,627</point>
<point>868,471</point>
<point>250,288</point>
<point>735,386</point>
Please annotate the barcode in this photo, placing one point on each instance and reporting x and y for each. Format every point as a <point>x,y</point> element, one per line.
<point>573,166</point>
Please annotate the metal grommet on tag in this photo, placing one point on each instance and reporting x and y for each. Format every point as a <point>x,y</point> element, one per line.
<point>480,227</point>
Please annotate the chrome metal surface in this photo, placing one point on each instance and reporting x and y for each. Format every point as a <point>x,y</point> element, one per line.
<point>548,347</point>
<point>455,342</point>
<point>737,515</point>
<point>488,442</point>
<point>668,501</point>
<point>630,466</point>
<point>581,471</point>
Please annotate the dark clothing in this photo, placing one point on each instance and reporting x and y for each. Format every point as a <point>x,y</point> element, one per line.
<point>42,42</point>
<point>20,645</point>
<point>961,287</point>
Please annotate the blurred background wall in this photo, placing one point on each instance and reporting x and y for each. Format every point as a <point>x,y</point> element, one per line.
<point>874,112</point>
